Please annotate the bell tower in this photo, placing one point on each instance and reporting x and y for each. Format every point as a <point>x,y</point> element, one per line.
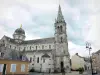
<point>62,57</point>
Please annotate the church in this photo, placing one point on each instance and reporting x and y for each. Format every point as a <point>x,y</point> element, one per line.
<point>45,54</point>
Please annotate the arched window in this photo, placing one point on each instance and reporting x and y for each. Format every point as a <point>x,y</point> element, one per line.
<point>61,39</point>
<point>38,60</point>
<point>58,28</point>
<point>30,59</point>
<point>30,47</point>
<point>61,28</point>
<point>49,46</point>
<point>36,47</point>
<point>42,46</point>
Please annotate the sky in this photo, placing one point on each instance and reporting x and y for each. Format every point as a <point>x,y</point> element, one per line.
<point>38,17</point>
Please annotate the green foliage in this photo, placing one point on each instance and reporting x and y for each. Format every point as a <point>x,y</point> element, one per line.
<point>32,70</point>
<point>81,70</point>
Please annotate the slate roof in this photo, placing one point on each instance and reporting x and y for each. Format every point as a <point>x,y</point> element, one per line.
<point>36,41</point>
<point>39,51</point>
<point>79,55</point>
<point>97,52</point>
<point>85,59</point>
<point>19,31</point>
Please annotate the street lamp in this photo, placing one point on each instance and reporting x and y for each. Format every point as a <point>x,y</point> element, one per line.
<point>88,46</point>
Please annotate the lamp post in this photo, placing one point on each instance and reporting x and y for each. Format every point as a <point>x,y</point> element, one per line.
<point>88,46</point>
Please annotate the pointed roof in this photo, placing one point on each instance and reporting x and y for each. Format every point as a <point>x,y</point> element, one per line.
<point>60,17</point>
<point>46,55</point>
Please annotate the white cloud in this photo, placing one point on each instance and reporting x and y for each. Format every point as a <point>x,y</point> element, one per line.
<point>73,49</point>
<point>13,13</point>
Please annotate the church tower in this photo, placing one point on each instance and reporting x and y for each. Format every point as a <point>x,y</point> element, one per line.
<point>62,57</point>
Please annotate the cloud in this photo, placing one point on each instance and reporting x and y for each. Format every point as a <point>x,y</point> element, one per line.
<point>38,17</point>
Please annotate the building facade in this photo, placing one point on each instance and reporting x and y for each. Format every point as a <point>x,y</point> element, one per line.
<point>96,61</point>
<point>47,54</point>
<point>13,62</point>
<point>80,62</point>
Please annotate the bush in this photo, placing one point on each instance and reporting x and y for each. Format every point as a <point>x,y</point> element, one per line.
<point>32,70</point>
<point>81,70</point>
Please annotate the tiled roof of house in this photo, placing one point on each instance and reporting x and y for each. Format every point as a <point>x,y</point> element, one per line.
<point>85,58</point>
<point>36,41</point>
<point>97,52</point>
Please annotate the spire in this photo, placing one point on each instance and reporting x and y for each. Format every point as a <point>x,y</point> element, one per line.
<point>60,17</point>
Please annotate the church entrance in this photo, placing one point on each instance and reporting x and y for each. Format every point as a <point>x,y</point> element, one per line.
<point>62,66</point>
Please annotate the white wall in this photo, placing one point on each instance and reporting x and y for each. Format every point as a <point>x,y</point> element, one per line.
<point>77,62</point>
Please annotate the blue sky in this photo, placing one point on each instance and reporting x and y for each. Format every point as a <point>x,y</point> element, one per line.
<point>38,17</point>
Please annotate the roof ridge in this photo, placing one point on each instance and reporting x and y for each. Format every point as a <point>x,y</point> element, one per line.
<point>40,39</point>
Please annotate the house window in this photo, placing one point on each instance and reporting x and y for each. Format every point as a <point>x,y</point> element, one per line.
<point>13,68</point>
<point>1,67</point>
<point>22,67</point>
<point>38,60</point>
<point>42,46</point>
<point>3,41</point>
<point>49,46</point>
<point>30,59</point>
<point>43,60</point>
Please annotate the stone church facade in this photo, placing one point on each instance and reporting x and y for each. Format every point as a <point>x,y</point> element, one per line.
<point>47,54</point>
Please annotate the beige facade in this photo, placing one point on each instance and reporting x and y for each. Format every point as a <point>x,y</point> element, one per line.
<point>96,60</point>
<point>18,67</point>
<point>79,62</point>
